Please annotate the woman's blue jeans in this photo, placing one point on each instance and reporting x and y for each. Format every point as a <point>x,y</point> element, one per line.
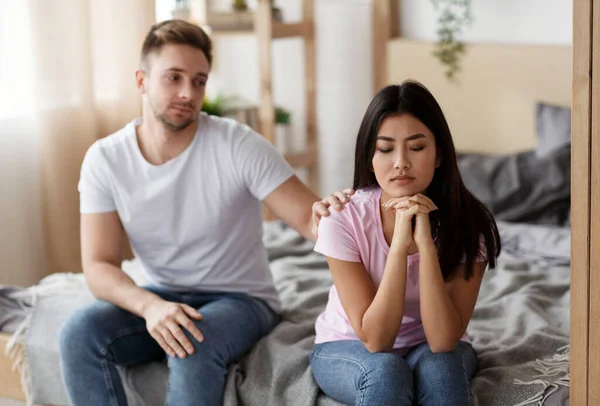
<point>347,372</point>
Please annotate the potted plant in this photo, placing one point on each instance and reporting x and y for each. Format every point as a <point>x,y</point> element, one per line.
<point>213,107</point>
<point>276,12</point>
<point>454,17</point>
<point>240,5</point>
<point>283,130</point>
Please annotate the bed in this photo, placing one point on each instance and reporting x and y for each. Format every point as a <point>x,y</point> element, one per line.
<point>520,327</point>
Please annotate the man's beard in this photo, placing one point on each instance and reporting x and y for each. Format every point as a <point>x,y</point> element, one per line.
<point>174,126</point>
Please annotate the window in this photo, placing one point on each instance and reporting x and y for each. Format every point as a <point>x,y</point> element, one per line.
<point>16,60</point>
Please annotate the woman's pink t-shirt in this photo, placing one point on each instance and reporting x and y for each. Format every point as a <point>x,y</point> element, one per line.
<point>355,234</point>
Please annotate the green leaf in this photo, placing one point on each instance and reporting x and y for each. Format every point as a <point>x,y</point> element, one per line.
<point>453,18</point>
<point>282,116</point>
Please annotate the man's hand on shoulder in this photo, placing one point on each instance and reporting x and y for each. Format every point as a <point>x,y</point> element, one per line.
<point>295,204</point>
<point>320,209</point>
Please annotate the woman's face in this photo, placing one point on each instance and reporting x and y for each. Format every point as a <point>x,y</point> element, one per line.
<point>405,157</point>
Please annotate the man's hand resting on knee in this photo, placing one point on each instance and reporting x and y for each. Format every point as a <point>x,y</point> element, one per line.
<point>164,321</point>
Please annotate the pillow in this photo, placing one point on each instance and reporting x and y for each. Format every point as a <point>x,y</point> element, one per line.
<point>521,187</point>
<point>553,128</point>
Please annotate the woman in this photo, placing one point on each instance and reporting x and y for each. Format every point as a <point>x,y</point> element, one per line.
<point>407,255</point>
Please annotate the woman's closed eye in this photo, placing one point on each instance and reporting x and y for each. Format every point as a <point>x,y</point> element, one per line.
<point>384,150</point>
<point>419,148</point>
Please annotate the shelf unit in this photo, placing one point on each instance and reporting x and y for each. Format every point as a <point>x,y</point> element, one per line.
<point>267,30</point>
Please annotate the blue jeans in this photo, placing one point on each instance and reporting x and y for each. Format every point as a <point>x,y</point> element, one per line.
<point>347,372</point>
<point>97,338</point>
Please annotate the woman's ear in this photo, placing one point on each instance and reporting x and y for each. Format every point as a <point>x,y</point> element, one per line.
<point>438,162</point>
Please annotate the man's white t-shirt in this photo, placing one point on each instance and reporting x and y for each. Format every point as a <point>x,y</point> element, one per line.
<point>194,222</point>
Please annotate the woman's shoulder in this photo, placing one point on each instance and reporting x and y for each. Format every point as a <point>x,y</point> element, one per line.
<point>358,212</point>
<point>341,234</point>
<point>366,199</point>
<point>368,194</point>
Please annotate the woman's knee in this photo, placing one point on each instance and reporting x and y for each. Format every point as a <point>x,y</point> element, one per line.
<point>387,365</point>
<point>360,377</point>
<point>442,378</point>
<point>386,372</point>
<point>432,365</point>
<point>387,380</point>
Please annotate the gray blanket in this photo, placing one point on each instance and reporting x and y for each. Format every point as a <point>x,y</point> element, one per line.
<point>522,318</point>
<point>520,326</point>
<point>15,305</point>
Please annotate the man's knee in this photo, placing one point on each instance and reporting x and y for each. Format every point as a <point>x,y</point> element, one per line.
<point>216,349</point>
<point>83,328</point>
<point>231,327</point>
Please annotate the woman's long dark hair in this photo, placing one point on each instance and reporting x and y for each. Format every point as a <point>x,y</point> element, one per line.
<point>461,219</point>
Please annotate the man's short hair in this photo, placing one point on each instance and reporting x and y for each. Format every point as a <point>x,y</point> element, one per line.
<point>176,32</point>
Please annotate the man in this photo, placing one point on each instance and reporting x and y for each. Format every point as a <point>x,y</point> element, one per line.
<point>186,188</point>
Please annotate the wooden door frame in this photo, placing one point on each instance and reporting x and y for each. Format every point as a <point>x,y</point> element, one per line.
<point>585,206</point>
<point>594,284</point>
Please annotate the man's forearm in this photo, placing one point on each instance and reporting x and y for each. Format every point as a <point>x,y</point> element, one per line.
<point>108,282</point>
<point>305,224</point>
<point>307,231</point>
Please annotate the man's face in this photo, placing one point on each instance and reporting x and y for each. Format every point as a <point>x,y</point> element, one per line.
<point>173,82</point>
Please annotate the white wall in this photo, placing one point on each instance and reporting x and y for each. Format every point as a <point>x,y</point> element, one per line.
<point>500,21</point>
<point>344,85</point>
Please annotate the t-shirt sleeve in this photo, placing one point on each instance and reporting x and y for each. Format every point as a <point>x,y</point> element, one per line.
<point>95,194</point>
<point>261,167</point>
<point>336,238</point>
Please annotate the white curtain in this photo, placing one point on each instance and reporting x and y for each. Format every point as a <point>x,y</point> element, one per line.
<point>66,78</point>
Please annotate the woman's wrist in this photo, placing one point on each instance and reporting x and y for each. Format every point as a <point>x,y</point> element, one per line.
<point>398,248</point>
<point>427,245</point>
